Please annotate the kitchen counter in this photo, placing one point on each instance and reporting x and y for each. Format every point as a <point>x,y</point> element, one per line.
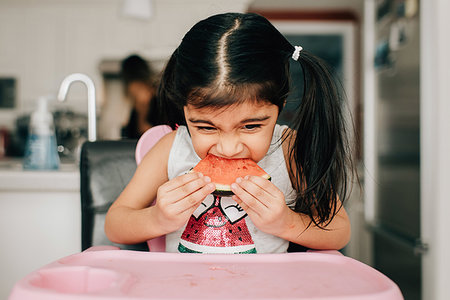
<point>40,218</point>
<point>13,177</point>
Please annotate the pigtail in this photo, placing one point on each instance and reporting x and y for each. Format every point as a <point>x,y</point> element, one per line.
<point>170,113</point>
<point>319,147</point>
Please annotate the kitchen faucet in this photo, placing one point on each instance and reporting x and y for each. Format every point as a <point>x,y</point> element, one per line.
<point>64,88</point>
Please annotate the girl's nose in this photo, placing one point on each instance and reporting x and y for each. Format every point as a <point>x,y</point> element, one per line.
<point>229,146</point>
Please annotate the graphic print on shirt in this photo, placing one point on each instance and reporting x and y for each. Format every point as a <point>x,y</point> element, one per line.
<point>217,226</point>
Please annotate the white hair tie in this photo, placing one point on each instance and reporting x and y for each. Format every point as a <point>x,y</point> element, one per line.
<point>296,53</point>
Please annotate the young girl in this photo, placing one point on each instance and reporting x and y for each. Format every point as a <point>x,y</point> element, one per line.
<point>224,87</point>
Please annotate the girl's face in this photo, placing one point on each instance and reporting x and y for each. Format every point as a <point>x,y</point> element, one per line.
<point>237,131</point>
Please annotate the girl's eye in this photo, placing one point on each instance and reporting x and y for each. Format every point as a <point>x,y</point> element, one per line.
<point>206,128</point>
<point>252,126</point>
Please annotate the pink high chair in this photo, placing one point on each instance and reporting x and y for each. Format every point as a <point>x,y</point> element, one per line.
<point>145,143</point>
<point>109,273</point>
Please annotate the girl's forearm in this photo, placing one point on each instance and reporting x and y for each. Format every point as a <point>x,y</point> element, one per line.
<point>334,236</point>
<point>125,225</point>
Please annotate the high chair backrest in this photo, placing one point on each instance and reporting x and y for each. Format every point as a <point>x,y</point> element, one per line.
<point>145,143</point>
<point>106,167</point>
<point>149,139</point>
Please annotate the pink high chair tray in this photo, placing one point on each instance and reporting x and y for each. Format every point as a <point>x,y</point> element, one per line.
<point>122,274</point>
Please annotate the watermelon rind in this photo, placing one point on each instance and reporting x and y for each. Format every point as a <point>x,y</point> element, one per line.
<point>225,189</point>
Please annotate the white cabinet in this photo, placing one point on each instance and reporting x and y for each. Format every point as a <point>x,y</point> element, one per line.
<point>40,220</point>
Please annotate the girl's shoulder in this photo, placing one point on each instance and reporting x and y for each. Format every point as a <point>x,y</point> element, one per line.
<point>165,143</point>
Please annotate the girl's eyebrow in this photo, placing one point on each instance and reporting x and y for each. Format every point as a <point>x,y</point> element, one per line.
<point>249,120</point>
<point>257,119</point>
<point>192,120</point>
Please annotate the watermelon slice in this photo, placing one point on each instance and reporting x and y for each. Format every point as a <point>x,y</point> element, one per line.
<point>223,172</point>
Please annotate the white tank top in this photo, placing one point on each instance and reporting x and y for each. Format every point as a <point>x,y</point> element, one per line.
<point>219,225</point>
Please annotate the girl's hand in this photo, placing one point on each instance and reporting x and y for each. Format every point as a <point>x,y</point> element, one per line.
<point>178,198</point>
<point>263,202</point>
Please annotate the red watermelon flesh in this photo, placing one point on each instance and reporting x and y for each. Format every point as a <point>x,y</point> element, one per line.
<point>223,172</point>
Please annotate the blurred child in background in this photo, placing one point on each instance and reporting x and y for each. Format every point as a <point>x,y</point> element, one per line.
<point>139,81</point>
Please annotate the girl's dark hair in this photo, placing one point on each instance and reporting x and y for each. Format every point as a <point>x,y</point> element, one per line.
<point>230,58</point>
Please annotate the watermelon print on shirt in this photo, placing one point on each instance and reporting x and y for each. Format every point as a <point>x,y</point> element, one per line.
<point>217,226</point>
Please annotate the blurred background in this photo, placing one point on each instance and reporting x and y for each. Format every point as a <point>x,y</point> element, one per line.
<point>390,55</point>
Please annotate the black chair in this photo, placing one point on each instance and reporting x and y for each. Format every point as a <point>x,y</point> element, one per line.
<point>106,167</point>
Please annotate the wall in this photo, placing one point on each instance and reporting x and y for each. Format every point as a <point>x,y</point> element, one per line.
<point>355,5</point>
<point>43,41</point>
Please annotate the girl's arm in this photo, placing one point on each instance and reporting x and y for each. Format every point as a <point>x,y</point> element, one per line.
<point>131,219</point>
<point>266,206</point>
<point>299,228</point>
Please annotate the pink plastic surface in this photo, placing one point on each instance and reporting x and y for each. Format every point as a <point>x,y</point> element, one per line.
<point>145,143</point>
<point>122,274</point>
<point>149,139</point>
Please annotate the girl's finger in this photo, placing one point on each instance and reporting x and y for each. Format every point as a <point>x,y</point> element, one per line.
<point>188,204</point>
<point>265,184</point>
<point>239,188</point>
<point>182,191</point>
<point>255,190</point>
<point>189,188</point>
<point>241,203</point>
<point>180,181</point>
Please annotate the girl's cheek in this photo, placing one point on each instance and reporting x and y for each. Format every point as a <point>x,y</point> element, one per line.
<point>202,146</point>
